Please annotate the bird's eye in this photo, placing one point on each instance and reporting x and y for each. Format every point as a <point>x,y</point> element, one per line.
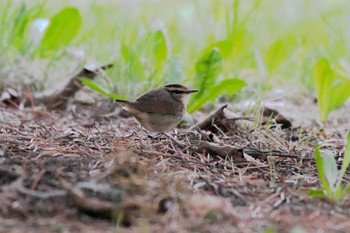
<point>177,92</point>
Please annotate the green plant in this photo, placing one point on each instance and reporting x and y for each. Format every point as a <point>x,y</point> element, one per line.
<point>154,45</point>
<point>332,88</point>
<point>15,23</point>
<point>208,68</point>
<point>280,51</point>
<point>330,177</point>
<point>146,58</point>
<point>62,29</point>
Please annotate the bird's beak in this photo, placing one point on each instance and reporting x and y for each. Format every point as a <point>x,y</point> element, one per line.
<point>191,91</point>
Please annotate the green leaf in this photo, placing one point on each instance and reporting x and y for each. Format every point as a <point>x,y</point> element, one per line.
<point>62,29</point>
<point>338,94</point>
<point>95,87</point>
<point>279,52</point>
<point>339,194</point>
<point>321,172</point>
<point>332,89</point>
<point>346,160</point>
<point>323,80</point>
<point>160,49</point>
<point>330,169</point>
<point>208,68</point>
<point>316,193</point>
<point>225,47</point>
<point>17,23</point>
<point>275,55</point>
<point>230,86</point>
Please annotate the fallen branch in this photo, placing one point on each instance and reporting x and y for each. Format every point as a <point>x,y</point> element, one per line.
<point>60,98</point>
<point>100,200</point>
<point>38,194</point>
<point>255,153</point>
<point>214,118</point>
<point>271,114</point>
<point>91,205</point>
<point>221,151</point>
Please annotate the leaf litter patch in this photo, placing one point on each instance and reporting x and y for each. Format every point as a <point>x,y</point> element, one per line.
<point>239,173</point>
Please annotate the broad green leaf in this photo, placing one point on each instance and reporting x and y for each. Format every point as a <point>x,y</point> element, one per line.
<point>338,94</point>
<point>321,172</point>
<point>62,29</point>
<point>208,68</point>
<point>160,49</point>
<point>276,54</point>
<point>332,89</point>
<point>229,50</point>
<point>323,80</point>
<point>346,160</point>
<point>230,86</point>
<point>225,47</point>
<point>95,87</point>
<point>330,169</point>
<point>279,52</point>
<point>240,40</point>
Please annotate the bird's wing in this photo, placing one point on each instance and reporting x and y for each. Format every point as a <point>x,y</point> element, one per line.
<point>151,103</point>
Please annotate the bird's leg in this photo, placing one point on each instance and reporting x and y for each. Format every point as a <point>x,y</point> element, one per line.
<point>146,132</point>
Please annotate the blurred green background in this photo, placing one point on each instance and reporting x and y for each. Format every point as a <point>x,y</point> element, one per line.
<point>266,44</point>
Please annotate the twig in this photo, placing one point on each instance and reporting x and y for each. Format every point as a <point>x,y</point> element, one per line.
<point>37,179</point>
<point>42,195</point>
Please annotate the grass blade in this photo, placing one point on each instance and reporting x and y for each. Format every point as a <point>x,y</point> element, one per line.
<point>95,87</point>
<point>316,193</point>
<point>346,161</point>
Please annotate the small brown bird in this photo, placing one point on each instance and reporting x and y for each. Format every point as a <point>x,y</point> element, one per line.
<point>159,109</point>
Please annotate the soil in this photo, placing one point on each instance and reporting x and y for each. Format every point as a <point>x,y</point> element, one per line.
<point>90,169</point>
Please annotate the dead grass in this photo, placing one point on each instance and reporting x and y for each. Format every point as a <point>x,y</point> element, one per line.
<point>85,169</point>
